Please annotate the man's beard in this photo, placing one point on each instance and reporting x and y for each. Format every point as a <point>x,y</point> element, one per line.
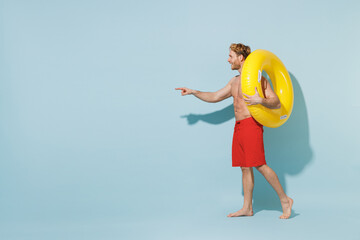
<point>235,67</point>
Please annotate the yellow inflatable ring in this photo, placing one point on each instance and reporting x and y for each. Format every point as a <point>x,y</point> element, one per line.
<point>251,74</point>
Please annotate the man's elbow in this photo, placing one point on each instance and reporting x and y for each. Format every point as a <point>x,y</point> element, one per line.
<point>274,104</point>
<point>278,105</point>
<point>271,103</point>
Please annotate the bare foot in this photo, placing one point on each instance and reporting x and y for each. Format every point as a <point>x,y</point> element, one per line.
<point>241,212</point>
<point>286,206</point>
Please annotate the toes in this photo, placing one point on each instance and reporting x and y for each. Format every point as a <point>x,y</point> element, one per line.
<point>284,216</point>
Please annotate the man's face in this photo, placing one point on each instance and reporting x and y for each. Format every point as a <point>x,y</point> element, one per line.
<point>235,60</point>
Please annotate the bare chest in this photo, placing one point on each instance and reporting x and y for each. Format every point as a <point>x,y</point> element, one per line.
<point>236,91</point>
<point>240,109</point>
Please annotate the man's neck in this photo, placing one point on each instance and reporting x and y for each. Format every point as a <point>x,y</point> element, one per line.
<point>240,69</point>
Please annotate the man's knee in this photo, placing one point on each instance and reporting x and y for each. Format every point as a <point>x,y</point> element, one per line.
<point>246,169</point>
<point>261,168</point>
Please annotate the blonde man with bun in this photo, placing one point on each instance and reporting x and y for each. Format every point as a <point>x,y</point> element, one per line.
<point>247,146</point>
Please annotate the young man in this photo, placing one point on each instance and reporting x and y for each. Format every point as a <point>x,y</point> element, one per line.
<point>247,147</point>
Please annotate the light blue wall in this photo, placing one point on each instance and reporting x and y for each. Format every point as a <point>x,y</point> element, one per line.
<point>96,144</point>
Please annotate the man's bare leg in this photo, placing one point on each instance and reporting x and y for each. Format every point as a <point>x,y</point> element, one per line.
<point>248,186</point>
<point>273,179</point>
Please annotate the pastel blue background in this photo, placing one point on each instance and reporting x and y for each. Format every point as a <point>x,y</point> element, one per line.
<point>95,143</point>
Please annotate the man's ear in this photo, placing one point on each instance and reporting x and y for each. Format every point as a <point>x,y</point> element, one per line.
<point>241,58</point>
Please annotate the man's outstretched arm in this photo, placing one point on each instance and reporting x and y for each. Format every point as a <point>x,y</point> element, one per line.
<point>211,97</point>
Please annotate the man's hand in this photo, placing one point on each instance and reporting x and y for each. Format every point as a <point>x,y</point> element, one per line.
<point>185,91</point>
<point>253,99</point>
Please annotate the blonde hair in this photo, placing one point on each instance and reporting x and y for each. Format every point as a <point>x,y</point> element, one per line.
<point>240,49</point>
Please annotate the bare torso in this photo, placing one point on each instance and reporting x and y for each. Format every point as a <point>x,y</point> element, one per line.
<point>240,109</point>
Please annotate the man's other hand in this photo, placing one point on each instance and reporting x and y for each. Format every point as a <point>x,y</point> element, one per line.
<point>253,99</point>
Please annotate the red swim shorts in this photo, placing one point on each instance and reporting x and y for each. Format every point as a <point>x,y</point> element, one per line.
<point>248,144</point>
